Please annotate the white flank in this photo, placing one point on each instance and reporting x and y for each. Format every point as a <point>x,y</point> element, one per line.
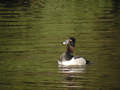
<point>73,61</point>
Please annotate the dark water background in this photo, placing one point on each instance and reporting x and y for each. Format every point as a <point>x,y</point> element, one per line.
<point>31,32</point>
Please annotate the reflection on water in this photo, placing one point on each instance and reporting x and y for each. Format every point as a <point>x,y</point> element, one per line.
<point>73,69</point>
<point>30,35</point>
<point>71,74</point>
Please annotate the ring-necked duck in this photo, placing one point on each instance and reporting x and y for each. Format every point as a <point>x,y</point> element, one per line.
<point>67,58</point>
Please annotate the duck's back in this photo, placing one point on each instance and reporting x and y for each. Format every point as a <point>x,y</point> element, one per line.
<point>80,61</point>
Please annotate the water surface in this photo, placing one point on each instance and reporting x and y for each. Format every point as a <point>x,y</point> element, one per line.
<point>31,32</point>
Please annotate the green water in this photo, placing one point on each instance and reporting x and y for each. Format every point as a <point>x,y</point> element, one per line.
<point>31,32</point>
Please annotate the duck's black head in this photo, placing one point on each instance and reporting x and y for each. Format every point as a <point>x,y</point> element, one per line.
<point>70,41</point>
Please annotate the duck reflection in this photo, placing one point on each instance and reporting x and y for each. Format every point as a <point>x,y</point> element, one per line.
<point>72,69</point>
<point>72,77</point>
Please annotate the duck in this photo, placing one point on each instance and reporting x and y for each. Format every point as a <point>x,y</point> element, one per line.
<point>67,58</point>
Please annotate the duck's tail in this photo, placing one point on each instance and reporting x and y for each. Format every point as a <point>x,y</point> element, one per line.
<point>87,62</point>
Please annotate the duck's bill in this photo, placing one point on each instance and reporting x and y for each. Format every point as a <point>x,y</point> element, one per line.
<point>65,42</point>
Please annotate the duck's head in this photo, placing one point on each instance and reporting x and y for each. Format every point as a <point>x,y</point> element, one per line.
<point>70,41</point>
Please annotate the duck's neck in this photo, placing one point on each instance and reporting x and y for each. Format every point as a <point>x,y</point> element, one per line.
<point>69,52</point>
<point>70,49</point>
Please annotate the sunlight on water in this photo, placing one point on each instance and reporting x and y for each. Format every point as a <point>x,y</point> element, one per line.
<point>31,32</point>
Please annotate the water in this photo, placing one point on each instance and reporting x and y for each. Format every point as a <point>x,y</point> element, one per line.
<point>31,32</point>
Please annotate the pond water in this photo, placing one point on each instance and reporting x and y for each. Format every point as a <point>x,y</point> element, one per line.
<point>31,32</point>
